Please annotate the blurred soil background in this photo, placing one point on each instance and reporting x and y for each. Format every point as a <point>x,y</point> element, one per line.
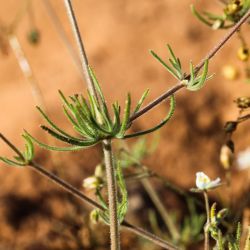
<point>34,213</point>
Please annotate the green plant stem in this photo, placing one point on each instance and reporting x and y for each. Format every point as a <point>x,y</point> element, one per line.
<point>160,207</point>
<point>206,227</point>
<point>180,85</point>
<point>107,149</point>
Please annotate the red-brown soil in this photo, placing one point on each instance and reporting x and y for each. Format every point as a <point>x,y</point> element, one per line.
<point>34,214</point>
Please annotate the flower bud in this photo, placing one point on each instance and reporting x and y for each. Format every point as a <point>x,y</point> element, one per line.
<point>243,102</point>
<point>100,171</point>
<point>243,53</point>
<point>226,156</point>
<point>217,24</point>
<point>213,214</point>
<point>233,7</point>
<point>222,214</point>
<point>94,216</point>
<point>92,182</point>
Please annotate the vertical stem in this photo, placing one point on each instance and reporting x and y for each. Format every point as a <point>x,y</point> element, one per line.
<point>206,227</point>
<point>81,49</point>
<point>107,149</point>
<point>112,193</point>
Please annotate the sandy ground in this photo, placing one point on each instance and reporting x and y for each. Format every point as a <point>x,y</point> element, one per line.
<point>117,35</point>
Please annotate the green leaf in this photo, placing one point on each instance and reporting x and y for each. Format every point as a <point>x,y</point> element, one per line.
<point>169,69</point>
<point>123,204</point>
<point>165,120</point>
<point>196,83</point>
<point>12,163</point>
<point>140,102</point>
<point>88,143</point>
<point>126,117</point>
<point>53,125</point>
<point>200,17</point>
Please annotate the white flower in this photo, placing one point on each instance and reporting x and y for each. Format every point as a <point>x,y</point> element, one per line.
<point>203,182</point>
<point>243,159</point>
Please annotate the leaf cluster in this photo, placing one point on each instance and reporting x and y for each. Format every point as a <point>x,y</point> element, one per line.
<point>21,159</point>
<point>122,205</point>
<point>194,82</point>
<point>91,119</point>
<point>233,10</point>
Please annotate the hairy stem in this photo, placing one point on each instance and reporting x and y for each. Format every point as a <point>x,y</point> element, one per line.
<point>112,195</point>
<point>206,227</point>
<point>107,149</point>
<point>179,85</point>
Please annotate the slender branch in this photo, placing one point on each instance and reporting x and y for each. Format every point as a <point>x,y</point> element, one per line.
<point>139,231</point>
<point>160,207</point>
<point>65,185</point>
<point>78,39</point>
<point>243,118</point>
<point>206,227</point>
<point>76,193</point>
<point>179,85</point>
<point>107,149</point>
<point>12,146</point>
<point>59,28</point>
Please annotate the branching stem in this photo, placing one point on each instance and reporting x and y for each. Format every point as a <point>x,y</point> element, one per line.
<point>179,85</point>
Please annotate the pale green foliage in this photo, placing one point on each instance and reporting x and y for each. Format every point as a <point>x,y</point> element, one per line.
<point>191,230</point>
<point>233,10</point>
<point>22,158</point>
<point>92,120</point>
<point>122,205</point>
<point>194,82</point>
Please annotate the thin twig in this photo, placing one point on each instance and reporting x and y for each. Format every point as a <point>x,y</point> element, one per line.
<point>12,146</point>
<point>179,85</point>
<point>78,194</point>
<point>107,149</point>
<point>81,49</point>
<point>206,227</point>
<point>62,33</point>
<point>161,209</point>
